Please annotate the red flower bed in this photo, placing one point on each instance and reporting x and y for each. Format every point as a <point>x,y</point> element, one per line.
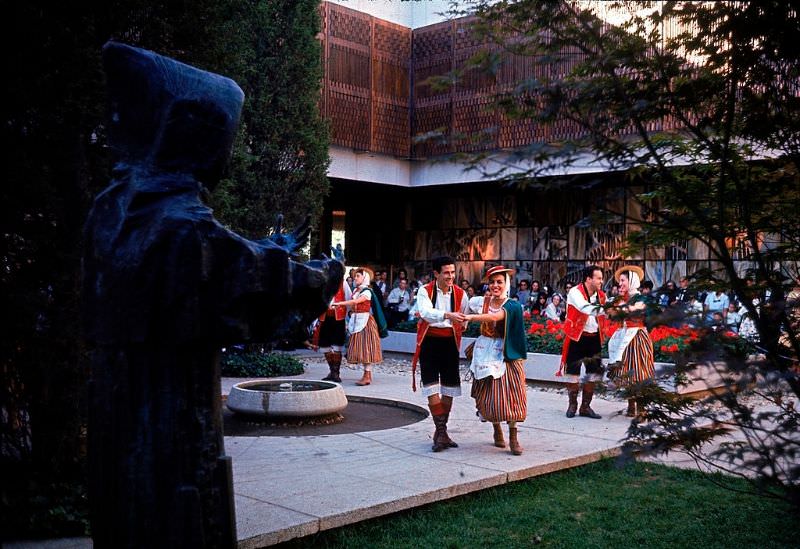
<point>548,337</point>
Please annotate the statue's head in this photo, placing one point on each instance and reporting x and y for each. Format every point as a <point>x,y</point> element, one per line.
<point>173,116</point>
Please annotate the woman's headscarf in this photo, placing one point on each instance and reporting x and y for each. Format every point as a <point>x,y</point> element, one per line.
<point>633,282</point>
<point>367,278</point>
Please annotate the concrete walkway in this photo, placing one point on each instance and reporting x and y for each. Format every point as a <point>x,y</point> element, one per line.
<point>287,487</point>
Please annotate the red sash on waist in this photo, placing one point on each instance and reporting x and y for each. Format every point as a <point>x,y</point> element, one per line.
<point>439,332</point>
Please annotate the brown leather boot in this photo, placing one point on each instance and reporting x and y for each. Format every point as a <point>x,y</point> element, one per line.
<point>572,393</point>
<point>631,411</point>
<point>445,437</point>
<point>366,379</point>
<point>513,443</point>
<point>499,441</point>
<point>439,444</point>
<point>586,400</point>
<point>334,360</point>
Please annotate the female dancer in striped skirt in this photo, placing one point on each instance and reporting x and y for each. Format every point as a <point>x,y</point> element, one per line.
<point>365,343</point>
<point>501,394</point>
<point>630,346</point>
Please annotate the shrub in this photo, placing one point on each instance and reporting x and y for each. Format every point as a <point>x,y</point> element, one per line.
<point>235,363</point>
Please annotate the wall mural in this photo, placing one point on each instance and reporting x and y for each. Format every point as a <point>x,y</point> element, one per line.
<point>481,230</point>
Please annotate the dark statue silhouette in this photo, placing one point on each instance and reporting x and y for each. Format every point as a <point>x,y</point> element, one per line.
<point>165,286</point>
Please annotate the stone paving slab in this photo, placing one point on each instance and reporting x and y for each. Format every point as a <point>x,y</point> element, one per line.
<point>289,487</point>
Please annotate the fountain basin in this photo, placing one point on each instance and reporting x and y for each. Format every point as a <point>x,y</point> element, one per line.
<point>287,398</point>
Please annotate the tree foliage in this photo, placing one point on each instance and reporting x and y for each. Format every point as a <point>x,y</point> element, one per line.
<point>697,104</point>
<point>281,157</point>
<point>55,161</point>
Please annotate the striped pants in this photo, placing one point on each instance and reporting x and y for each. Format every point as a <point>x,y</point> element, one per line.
<point>505,398</point>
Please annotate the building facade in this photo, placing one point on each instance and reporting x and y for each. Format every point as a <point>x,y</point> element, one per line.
<point>397,204</point>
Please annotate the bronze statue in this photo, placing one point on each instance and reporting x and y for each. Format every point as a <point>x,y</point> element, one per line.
<point>165,286</point>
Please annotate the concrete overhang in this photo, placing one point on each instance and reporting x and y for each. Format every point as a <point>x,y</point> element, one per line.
<point>370,167</point>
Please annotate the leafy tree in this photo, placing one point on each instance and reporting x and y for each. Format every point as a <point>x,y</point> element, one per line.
<point>696,103</point>
<point>55,161</point>
<point>281,160</point>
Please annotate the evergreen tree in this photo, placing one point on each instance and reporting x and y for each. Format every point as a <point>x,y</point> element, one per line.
<point>55,161</point>
<point>281,158</point>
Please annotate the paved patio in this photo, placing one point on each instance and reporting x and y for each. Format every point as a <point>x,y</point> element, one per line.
<point>287,487</point>
<point>293,486</point>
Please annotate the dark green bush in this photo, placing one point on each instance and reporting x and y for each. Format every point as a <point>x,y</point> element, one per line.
<point>255,364</point>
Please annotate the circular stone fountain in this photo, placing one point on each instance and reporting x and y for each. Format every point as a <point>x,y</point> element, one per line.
<point>287,398</point>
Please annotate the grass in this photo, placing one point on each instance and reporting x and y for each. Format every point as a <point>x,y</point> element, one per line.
<point>598,505</point>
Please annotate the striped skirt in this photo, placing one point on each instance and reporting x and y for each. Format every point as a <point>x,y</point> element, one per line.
<point>365,346</point>
<point>505,398</point>
<point>638,359</point>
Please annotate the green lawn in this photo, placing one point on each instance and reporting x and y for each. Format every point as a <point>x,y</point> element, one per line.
<point>598,505</point>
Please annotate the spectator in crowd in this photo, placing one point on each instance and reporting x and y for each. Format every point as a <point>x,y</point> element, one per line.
<point>471,291</point>
<point>540,305</point>
<point>567,287</point>
<point>666,293</point>
<point>682,293</point>
<point>747,326</point>
<point>716,302</point>
<point>349,281</point>
<point>424,279</point>
<point>380,286</point>
<point>646,289</point>
<point>523,293</point>
<point>401,275</point>
<point>398,303</point>
<point>413,313</point>
<point>694,310</point>
<point>464,284</point>
<point>555,309</point>
<point>535,289</point>
<point>717,320</point>
<point>733,318</point>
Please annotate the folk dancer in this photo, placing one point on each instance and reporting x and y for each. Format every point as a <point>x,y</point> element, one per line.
<point>366,325</point>
<point>500,390</point>
<point>441,307</point>
<point>583,343</point>
<point>330,332</point>
<point>630,347</point>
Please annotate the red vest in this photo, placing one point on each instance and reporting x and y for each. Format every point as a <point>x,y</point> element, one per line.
<point>575,322</point>
<point>338,313</point>
<point>576,319</point>
<point>423,325</point>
